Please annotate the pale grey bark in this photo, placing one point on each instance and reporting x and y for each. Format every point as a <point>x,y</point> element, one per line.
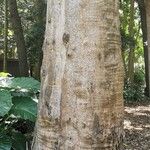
<point>81,104</point>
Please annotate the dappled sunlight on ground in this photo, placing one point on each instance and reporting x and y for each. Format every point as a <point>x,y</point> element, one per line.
<point>137,127</point>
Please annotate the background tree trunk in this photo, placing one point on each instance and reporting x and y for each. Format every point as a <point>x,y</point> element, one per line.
<point>145,18</point>
<point>5,35</point>
<point>131,53</point>
<point>18,33</point>
<point>81,104</point>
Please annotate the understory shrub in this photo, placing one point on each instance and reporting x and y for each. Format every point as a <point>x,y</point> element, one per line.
<point>135,91</point>
<point>18,110</point>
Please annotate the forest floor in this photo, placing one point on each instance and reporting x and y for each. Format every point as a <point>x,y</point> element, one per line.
<point>137,126</point>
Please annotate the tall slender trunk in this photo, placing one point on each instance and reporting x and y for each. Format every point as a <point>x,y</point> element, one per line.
<point>5,35</point>
<point>81,104</point>
<point>124,25</point>
<point>144,6</point>
<point>131,53</point>
<point>19,37</point>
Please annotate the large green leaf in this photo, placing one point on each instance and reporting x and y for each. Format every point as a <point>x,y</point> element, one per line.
<point>18,141</point>
<point>26,83</point>
<point>5,102</point>
<point>25,108</point>
<point>5,142</point>
<point>5,82</point>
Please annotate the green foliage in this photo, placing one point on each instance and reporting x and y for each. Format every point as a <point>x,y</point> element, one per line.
<point>34,36</point>
<point>25,108</point>
<point>19,141</point>
<point>135,91</point>
<point>5,142</point>
<point>5,102</point>
<point>4,74</point>
<point>139,76</point>
<point>131,41</point>
<point>33,19</point>
<point>18,111</point>
<point>26,83</point>
<point>34,41</point>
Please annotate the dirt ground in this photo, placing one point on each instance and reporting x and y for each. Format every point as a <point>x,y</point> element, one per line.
<point>137,126</point>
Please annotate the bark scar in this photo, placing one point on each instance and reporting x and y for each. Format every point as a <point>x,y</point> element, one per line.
<point>66,38</point>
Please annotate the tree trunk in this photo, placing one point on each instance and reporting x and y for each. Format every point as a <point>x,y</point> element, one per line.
<point>131,53</point>
<point>124,24</point>
<point>81,104</point>
<point>5,35</point>
<point>144,6</point>
<point>19,37</point>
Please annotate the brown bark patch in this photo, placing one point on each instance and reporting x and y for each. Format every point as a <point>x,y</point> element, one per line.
<point>99,56</point>
<point>96,125</point>
<point>81,93</point>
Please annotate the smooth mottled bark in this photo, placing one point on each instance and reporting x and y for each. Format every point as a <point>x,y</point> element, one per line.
<point>81,104</point>
<point>19,37</point>
<point>5,35</point>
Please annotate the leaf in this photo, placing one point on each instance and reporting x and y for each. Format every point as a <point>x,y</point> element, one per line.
<point>18,141</point>
<point>26,83</point>
<point>25,108</point>
<point>5,102</point>
<point>5,142</point>
<point>4,74</point>
<point>5,82</point>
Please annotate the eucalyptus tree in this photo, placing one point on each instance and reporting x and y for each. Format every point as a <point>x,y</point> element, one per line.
<point>81,104</point>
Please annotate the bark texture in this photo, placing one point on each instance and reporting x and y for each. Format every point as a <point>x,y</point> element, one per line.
<point>145,12</point>
<point>132,46</point>
<point>19,37</point>
<point>81,104</point>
